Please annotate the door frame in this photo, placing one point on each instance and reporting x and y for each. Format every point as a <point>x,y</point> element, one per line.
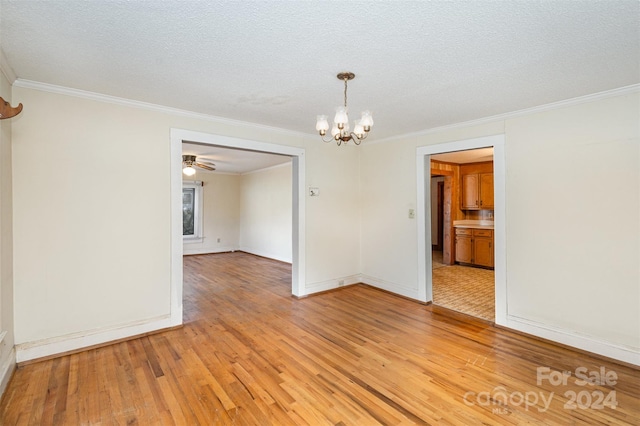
<point>178,136</point>
<point>423,166</point>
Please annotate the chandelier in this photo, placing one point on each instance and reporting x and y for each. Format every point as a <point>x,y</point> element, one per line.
<point>340,131</point>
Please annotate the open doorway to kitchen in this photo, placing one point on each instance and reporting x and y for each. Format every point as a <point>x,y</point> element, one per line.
<point>461,201</point>
<point>429,260</point>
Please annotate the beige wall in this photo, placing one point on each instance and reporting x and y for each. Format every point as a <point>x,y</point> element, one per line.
<point>572,217</point>
<point>266,212</point>
<point>250,212</point>
<point>92,212</point>
<point>573,224</point>
<point>7,354</point>
<point>221,213</point>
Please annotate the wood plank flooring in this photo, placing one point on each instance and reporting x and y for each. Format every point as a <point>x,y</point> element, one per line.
<point>250,354</point>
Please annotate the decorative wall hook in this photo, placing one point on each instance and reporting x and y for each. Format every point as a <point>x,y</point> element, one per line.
<point>7,111</point>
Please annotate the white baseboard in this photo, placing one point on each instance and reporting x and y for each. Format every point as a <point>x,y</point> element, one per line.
<point>265,254</point>
<point>622,353</point>
<point>6,370</point>
<point>319,286</point>
<point>206,250</point>
<point>72,342</point>
<point>411,293</point>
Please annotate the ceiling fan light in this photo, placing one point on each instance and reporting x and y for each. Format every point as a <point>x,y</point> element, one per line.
<point>189,171</point>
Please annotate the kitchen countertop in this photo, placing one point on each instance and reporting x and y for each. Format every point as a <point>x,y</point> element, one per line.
<point>477,224</point>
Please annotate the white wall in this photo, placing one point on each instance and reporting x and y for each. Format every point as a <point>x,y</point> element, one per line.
<point>221,213</point>
<point>91,215</point>
<point>573,219</point>
<point>7,353</point>
<point>572,212</point>
<point>266,212</point>
<point>92,209</point>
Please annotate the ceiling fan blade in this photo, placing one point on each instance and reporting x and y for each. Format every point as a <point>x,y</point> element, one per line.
<point>204,166</point>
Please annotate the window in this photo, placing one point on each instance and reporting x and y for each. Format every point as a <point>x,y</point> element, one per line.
<point>192,211</point>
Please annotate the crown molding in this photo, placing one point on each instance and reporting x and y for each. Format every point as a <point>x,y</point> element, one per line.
<point>29,84</point>
<point>264,169</point>
<point>5,68</point>
<point>61,90</point>
<point>634,88</point>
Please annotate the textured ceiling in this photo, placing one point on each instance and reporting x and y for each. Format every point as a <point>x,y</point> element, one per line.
<point>229,160</point>
<point>418,65</point>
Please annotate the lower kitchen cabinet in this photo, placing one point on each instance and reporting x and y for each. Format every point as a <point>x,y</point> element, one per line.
<point>474,247</point>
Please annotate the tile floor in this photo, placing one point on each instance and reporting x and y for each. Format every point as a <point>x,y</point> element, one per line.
<point>464,289</point>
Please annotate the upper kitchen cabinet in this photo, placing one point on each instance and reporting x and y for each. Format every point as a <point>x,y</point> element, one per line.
<point>477,186</point>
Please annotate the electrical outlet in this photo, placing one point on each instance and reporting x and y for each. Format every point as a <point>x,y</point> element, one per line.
<point>340,283</point>
<point>412,213</point>
<point>218,239</point>
<point>314,192</point>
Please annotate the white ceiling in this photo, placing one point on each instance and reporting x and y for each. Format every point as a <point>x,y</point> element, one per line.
<point>418,64</point>
<point>229,160</point>
<point>465,157</point>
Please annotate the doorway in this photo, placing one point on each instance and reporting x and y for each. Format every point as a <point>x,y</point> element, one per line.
<point>178,136</point>
<point>425,251</point>
<point>459,282</point>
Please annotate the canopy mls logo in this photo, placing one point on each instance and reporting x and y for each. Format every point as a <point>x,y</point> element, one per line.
<point>500,399</point>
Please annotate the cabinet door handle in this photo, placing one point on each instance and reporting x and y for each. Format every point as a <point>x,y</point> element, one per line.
<point>480,202</point>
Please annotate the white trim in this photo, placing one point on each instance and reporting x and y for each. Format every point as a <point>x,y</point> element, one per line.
<point>619,352</point>
<point>5,68</point>
<point>396,288</point>
<point>584,342</point>
<point>423,166</point>
<point>51,88</point>
<point>75,341</point>
<point>45,87</point>
<point>333,284</point>
<point>621,91</point>
<point>298,284</point>
<point>207,250</point>
<point>177,242</point>
<point>264,169</point>
<point>266,254</point>
<point>6,370</point>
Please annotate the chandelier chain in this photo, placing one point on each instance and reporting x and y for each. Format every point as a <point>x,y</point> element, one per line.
<point>345,92</point>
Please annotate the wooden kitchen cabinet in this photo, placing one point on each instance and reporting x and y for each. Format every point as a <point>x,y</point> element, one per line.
<point>483,247</point>
<point>477,191</point>
<point>474,247</point>
<point>464,247</point>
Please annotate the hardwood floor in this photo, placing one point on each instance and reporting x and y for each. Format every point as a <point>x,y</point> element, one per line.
<point>250,354</point>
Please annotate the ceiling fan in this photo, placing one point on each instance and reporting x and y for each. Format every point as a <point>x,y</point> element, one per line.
<point>189,163</point>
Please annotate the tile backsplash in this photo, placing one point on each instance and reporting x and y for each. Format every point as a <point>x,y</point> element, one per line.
<point>478,215</point>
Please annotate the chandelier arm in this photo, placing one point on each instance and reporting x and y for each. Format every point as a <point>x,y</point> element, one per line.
<point>356,139</point>
<point>331,139</point>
